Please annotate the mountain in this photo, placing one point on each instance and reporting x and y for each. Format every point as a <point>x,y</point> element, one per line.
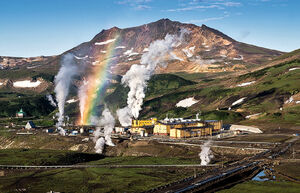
<point>204,50</point>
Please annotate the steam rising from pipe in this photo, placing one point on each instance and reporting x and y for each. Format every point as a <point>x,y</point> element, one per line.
<point>62,83</point>
<point>82,98</point>
<point>108,122</point>
<point>205,154</point>
<point>51,100</point>
<point>137,76</point>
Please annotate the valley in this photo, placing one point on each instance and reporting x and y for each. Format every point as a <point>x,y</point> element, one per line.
<point>208,77</point>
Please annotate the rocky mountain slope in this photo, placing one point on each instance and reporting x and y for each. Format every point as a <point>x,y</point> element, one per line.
<point>204,49</point>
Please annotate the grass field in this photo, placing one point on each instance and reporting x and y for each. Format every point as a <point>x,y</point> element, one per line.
<point>91,179</point>
<point>144,161</point>
<point>88,179</point>
<point>44,157</point>
<point>264,187</point>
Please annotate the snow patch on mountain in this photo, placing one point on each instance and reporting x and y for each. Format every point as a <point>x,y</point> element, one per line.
<point>120,47</point>
<point>245,84</point>
<point>239,101</point>
<point>291,99</point>
<point>240,58</point>
<point>26,84</point>
<point>81,58</point>
<point>174,56</point>
<point>71,101</point>
<point>187,102</point>
<point>94,63</point>
<point>105,42</point>
<point>32,67</point>
<point>130,52</point>
<point>187,53</point>
<point>296,68</point>
<point>253,115</point>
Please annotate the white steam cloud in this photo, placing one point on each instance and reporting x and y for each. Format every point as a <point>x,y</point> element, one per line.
<point>137,76</point>
<point>62,83</point>
<point>82,98</point>
<point>108,122</point>
<point>124,116</point>
<point>205,154</point>
<point>51,100</point>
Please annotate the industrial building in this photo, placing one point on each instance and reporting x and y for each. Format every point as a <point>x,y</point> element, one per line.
<point>177,127</point>
<point>143,126</point>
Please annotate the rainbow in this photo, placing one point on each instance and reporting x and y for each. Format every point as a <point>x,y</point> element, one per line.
<point>98,81</point>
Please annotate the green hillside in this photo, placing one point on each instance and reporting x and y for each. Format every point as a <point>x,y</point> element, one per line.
<point>215,93</point>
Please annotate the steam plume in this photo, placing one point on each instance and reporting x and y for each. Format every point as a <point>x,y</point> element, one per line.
<point>62,84</point>
<point>108,122</point>
<point>137,76</point>
<point>124,116</point>
<point>82,98</point>
<point>51,100</point>
<point>205,154</point>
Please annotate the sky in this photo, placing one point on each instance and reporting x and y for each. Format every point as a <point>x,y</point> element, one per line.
<point>49,27</point>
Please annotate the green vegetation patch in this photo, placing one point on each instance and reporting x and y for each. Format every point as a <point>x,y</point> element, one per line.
<point>44,157</point>
<point>92,179</point>
<point>266,187</point>
<point>133,160</point>
<point>32,105</point>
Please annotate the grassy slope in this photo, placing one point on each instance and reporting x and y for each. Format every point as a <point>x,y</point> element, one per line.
<point>273,86</point>
<point>32,104</point>
<point>159,84</point>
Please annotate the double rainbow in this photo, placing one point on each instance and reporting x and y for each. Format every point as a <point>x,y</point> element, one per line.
<point>98,81</point>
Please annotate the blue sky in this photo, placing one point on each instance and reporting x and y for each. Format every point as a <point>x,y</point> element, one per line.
<point>48,27</point>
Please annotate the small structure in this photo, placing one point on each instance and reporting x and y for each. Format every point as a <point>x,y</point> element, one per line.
<point>51,130</point>
<point>30,125</point>
<point>119,129</point>
<point>20,114</point>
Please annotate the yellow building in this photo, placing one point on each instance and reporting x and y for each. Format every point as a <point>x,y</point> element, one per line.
<point>177,127</point>
<point>143,125</point>
<point>191,132</point>
<point>187,128</point>
<point>165,127</point>
<point>216,124</point>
